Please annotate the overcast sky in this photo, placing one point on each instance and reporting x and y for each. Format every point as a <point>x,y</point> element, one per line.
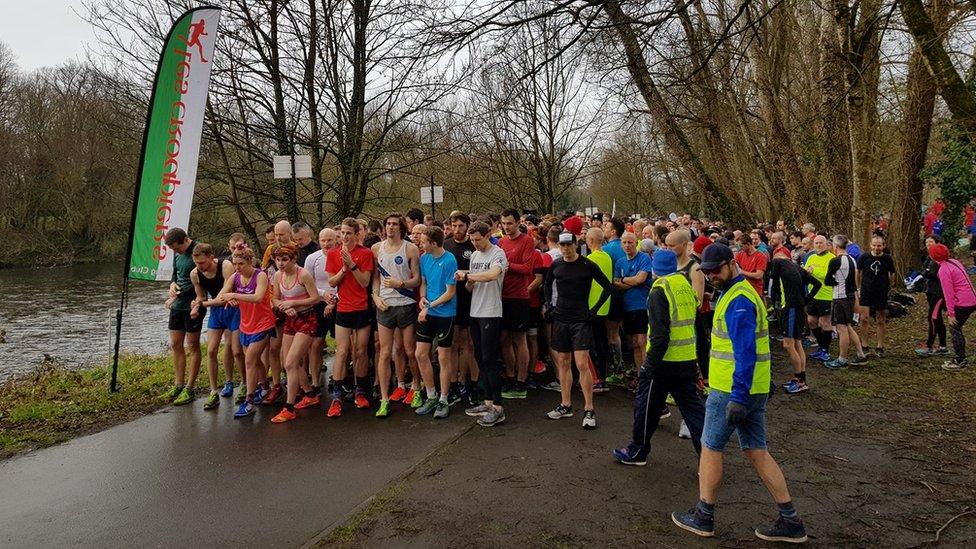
<point>44,33</point>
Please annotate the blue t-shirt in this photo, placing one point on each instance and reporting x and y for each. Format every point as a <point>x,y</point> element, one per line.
<point>614,250</point>
<point>438,274</point>
<point>635,298</point>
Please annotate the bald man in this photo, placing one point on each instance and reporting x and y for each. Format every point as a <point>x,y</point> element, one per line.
<point>818,310</point>
<point>601,347</point>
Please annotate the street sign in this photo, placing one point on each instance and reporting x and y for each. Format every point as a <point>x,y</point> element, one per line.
<point>282,166</point>
<point>425,193</point>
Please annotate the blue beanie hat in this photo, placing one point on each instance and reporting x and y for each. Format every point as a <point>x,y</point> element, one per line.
<point>664,262</point>
<point>854,251</point>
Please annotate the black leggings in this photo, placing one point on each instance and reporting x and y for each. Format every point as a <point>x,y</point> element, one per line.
<point>958,339</point>
<point>703,340</point>
<point>937,326</point>
<point>486,335</point>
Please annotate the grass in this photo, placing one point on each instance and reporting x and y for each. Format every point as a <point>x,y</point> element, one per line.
<point>54,404</point>
<point>380,505</point>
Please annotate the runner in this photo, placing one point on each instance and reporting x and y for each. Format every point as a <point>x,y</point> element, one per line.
<point>208,279</point>
<point>269,236</point>
<point>960,302</point>
<point>818,309</point>
<point>324,311</point>
<point>875,276</point>
<point>350,267</point>
<point>751,261</point>
<point>541,265</point>
<point>600,355</point>
<point>739,377</point>
<point>936,305</point>
<point>841,276</point>
<point>303,239</point>
<point>613,229</point>
<point>295,295</point>
<point>438,306</point>
<point>284,235</point>
<point>485,280</point>
<point>461,247</point>
<point>397,274</point>
<point>520,254</point>
<point>572,337</point>
<point>671,363</point>
<point>250,291</point>
<point>185,323</point>
<point>790,295</point>
<point>632,275</point>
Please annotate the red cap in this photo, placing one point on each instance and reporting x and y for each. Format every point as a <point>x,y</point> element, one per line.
<point>701,243</point>
<point>939,252</point>
<point>573,224</point>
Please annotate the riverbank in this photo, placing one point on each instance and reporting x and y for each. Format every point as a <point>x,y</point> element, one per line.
<point>54,403</point>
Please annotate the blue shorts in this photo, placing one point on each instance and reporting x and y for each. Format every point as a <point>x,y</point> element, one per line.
<point>247,339</point>
<point>717,431</point>
<point>224,318</point>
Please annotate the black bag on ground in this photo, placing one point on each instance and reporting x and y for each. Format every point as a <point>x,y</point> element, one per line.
<point>896,310</point>
<point>903,298</point>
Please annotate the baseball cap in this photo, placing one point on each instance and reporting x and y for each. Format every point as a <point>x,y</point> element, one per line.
<point>664,262</point>
<point>567,238</point>
<point>715,255</point>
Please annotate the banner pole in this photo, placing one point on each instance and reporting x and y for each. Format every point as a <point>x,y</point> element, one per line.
<point>433,208</point>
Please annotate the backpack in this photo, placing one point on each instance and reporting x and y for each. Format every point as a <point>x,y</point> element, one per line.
<point>896,310</point>
<point>903,298</point>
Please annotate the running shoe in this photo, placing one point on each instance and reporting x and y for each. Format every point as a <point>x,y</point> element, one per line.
<point>241,395</point>
<point>531,384</point>
<point>258,394</point>
<point>553,386</point>
<point>796,386</point>
<point>185,397</point>
<point>790,382</point>
<point>417,400</point>
<point>695,522</point>
<point>514,392</point>
<point>244,410</point>
<point>589,420</point>
<point>273,395</point>
<point>923,352</point>
<point>665,413</point>
<point>441,410</point>
<point>477,411</point>
<point>560,412</point>
<point>398,394</point>
<point>384,409</point>
<point>454,394</point>
<point>879,352</point>
<point>492,418</point>
<point>684,432</point>
<point>954,365</point>
<point>539,367</point>
<point>941,351</point>
<point>821,355</point>
<point>335,409</point>
<point>308,401</point>
<point>428,406</point>
<point>789,530</point>
<point>859,360</point>
<point>284,415</point>
<point>669,400</point>
<point>629,456</point>
<point>808,343</point>
<point>601,387</point>
<point>410,397</point>
<point>228,389</point>
<point>172,393</point>
<point>836,364</point>
<point>213,401</point>
<point>361,401</point>
<point>615,379</point>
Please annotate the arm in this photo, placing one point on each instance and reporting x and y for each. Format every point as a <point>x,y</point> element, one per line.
<point>600,279</point>
<point>815,285</point>
<point>536,281</point>
<point>757,274</point>
<point>222,297</point>
<point>698,283</point>
<point>659,320</point>
<point>830,278</point>
<point>636,280</point>
<point>362,276</point>
<point>741,320</point>
<point>487,276</point>
<point>547,287</point>
<point>313,298</point>
<point>444,297</point>
<point>775,271</point>
<point>198,289</point>
<point>945,278</point>
<point>413,256</point>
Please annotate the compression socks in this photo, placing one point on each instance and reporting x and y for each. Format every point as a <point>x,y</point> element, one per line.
<point>787,511</point>
<point>616,357</point>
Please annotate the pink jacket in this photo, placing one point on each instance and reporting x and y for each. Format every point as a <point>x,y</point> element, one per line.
<point>956,287</point>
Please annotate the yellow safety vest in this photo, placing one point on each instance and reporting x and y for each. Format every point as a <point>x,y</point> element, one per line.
<point>721,363</point>
<point>682,304</point>
<point>819,264</point>
<point>605,263</point>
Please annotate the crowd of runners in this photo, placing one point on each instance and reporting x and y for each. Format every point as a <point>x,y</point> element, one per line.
<point>480,309</point>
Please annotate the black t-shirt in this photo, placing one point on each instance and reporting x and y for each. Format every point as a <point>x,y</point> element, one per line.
<point>306,251</point>
<point>462,254</point>
<point>875,273</point>
<point>788,283</point>
<point>573,280</point>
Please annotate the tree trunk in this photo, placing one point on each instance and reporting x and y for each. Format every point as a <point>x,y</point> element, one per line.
<point>834,133</point>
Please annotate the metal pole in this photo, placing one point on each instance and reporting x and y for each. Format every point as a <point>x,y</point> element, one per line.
<point>294,180</point>
<point>591,205</point>
<point>433,210</point>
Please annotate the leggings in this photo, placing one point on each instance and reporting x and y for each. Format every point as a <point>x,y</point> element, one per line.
<point>601,346</point>
<point>958,339</point>
<point>937,326</point>
<point>703,340</point>
<point>486,334</point>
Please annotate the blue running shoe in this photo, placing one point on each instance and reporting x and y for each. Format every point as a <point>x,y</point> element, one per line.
<point>628,456</point>
<point>695,522</point>
<point>836,364</point>
<point>244,410</point>
<point>820,355</point>
<point>258,395</point>
<point>807,343</point>
<point>796,386</point>
<point>228,389</point>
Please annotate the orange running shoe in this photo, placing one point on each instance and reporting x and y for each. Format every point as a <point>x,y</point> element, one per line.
<point>361,401</point>
<point>398,394</point>
<point>308,402</point>
<point>335,409</point>
<point>273,395</point>
<point>539,367</point>
<point>407,398</point>
<point>284,415</point>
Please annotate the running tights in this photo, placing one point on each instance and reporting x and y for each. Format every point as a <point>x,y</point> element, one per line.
<point>486,334</point>
<point>958,339</point>
<point>937,326</point>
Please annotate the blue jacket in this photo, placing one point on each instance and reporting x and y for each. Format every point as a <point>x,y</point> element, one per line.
<point>740,317</point>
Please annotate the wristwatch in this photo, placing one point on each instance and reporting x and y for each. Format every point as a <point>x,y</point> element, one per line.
<point>354,267</point>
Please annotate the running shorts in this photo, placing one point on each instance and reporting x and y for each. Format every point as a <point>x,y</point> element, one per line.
<point>326,324</point>
<point>398,316</point>
<point>635,322</point>
<point>224,318</point>
<point>354,320</point>
<point>305,322</point>
<point>792,320</point>
<point>515,315</point>
<point>181,321</point>
<point>875,302</point>
<point>248,339</point>
<point>842,311</point>
<point>616,313</point>
<point>818,307</point>
<point>571,336</point>
<point>439,329</point>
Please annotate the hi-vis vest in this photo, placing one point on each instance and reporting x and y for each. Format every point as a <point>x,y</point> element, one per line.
<point>721,363</point>
<point>682,304</point>
<point>820,264</point>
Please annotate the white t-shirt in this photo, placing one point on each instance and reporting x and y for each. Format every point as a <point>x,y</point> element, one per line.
<point>315,264</point>
<point>486,297</point>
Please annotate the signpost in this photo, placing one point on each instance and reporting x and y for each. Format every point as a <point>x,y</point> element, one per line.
<point>431,195</point>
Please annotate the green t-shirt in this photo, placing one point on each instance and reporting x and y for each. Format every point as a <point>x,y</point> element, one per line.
<point>605,263</point>
<point>819,262</point>
<point>182,266</point>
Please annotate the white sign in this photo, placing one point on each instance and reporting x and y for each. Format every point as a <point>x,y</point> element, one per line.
<point>425,195</point>
<point>282,166</point>
<point>591,211</point>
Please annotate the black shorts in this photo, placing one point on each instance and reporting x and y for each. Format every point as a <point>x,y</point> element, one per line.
<point>842,311</point>
<point>515,315</point>
<point>571,336</point>
<point>354,320</point>
<point>818,308</point>
<point>326,323</point>
<point>635,322</point>
<point>181,321</point>
<point>462,317</point>
<point>875,302</point>
<point>616,313</point>
<point>792,321</point>
<point>437,328</point>
<point>398,316</point>
<point>535,320</point>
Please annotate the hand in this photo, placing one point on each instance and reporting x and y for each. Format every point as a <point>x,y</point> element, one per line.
<point>173,291</point>
<point>392,283</point>
<point>195,311</point>
<point>233,302</point>
<point>424,303</point>
<point>459,275</point>
<point>328,310</point>
<point>735,413</point>
<point>380,303</point>
<point>291,312</point>
<point>347,258</point>
<point>951,321</point>
<point>422,317</point>
<point>169,302</point>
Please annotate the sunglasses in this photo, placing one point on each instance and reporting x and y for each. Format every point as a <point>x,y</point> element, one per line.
<point>710,272</point>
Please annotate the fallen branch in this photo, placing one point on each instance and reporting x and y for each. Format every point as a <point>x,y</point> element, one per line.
<point>950,521</point>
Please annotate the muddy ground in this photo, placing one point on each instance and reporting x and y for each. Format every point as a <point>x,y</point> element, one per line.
<point>880,455</point>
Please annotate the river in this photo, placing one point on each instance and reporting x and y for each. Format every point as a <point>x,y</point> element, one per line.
<point>68,314</point>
